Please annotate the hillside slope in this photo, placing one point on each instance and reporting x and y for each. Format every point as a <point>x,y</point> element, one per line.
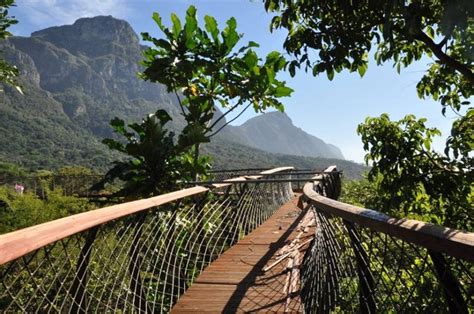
<point>76,78</point>
<point>274,132</point>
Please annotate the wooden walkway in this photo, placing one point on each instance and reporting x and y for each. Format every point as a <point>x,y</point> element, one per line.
<point>249,277</point>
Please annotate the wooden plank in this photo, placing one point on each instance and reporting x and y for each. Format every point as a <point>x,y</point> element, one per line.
<point>221,185</point>
<point>441,239</point>
<point>275,170</point>
<point>243,178</point>
<point>236,282</point>
<point>24,241</point>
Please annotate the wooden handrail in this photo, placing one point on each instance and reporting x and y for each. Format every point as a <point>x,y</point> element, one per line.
<point>21,242</point>
<point>441,239</point>
<point>18,243</point>
<point>275,170</point>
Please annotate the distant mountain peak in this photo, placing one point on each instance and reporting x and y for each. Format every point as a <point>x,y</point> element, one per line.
<point>275,132</point>
<point>276,116</point>
<point>92,36</point>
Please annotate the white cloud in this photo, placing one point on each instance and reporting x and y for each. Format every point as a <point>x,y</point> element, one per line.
<point>43,13</point>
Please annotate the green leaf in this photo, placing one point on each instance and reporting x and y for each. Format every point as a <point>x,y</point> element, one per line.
<point>292,69</point>
<point>253,44</point>
<point>230,36</point>
<point>330,74</point>
<point>162,43</point>
<point>190,27</point>
<point>362,68</point>
<point>176,25</point>
<point>273,57</point>
<point>118,125</point>
<point>114,145</point>
<point>232,23</point>
<point>191,11</point>
<point>250,59</point>
<point>427,143</point>
<point>163,116</point>
<point>249,45</point>
<point>283,91</point>
<point>211,26</point>
<point>157,18</point>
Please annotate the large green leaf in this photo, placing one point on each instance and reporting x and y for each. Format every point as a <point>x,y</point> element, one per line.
<point>250,59</point>
<point>176,25</point>
<point>283,91</point>
<point>190,27</point>
<point>211,27</point>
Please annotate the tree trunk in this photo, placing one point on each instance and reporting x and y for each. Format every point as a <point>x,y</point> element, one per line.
<point>195,162</point>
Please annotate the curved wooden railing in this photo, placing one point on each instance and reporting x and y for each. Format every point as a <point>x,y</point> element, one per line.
<point>142,255</point>
<point>365,261</point>
<point>138,256</point>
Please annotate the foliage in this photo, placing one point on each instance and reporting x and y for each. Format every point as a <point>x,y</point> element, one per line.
<point>328,37</point>
<point>205,67</point>
<point>231,155</point>
<point>8,171</point>
<point>344,32</point>
<point>36,134</point>
<point>412,177</point>
<point>21,211</point>
<point>8,72</point>
<point>156,162</point>
<point>363,193</point>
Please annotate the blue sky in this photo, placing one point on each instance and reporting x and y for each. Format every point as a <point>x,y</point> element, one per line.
<point>330,110</point>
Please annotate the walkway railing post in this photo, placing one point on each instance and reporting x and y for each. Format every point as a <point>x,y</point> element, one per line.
<point>78,287</point>
<point>366,280</point>
<point>449,282</point>
<point>136,286</point>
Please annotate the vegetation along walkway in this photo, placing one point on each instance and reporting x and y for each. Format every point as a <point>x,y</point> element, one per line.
<point>259,273</point>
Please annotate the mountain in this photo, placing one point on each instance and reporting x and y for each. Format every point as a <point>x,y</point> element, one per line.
<point>274,132</point>
<point>76,78</point>
<point>233,155</point>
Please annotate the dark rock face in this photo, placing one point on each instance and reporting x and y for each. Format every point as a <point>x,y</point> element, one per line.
<point>94,37</point>
<point>91,68</point>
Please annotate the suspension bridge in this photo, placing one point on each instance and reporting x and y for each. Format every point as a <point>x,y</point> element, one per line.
<point>251,240</point>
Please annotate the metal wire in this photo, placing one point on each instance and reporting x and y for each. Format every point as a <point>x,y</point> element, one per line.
<point>350,268</point>
<point>141,263</point>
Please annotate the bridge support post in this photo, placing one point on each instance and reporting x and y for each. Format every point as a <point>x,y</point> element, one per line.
<point>78,287</point>
<point>452,292</point>
<point>136,286</point>
<point>367,301</point>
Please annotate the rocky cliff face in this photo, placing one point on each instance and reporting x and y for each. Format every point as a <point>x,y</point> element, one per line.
<point>91,68</point>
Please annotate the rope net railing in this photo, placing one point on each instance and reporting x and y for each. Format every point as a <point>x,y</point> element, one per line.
<point>364,261</point>
<point>298,177</point>
<point>138,262</point>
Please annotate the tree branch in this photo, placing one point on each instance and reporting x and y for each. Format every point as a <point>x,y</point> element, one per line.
<point>180,103</point>
<point>444,58</point>
<point>227,123</point>
<point>223,116</point>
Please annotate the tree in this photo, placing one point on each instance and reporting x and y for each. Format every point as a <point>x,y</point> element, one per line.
<point>206,67</point>
<point>8,73</point>
<point>156,162</point>
<point>410,177</point>
<point>344,32</point>
<point>328,37</point>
